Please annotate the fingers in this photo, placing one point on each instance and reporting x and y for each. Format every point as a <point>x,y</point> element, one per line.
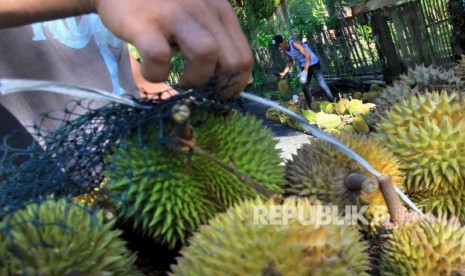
<point>199,48</point>
<point>156,55</point>
<point>207,32</point>
<point>239,59</point>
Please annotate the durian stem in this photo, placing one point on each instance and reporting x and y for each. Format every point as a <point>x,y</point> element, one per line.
<point>356,182</point>
<point>232,169</point>
<point>397,211</point>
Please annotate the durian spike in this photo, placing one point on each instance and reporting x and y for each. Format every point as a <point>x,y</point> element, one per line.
<point>328,138</point>
<point>357,182</point>
<point>259,188</point>
<point>395,207</point>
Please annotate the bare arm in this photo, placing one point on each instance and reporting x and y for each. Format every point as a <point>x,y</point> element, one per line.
<point>299,47</point>
<point>290,61</point>
<point>22,12</point>
<point>207,32</point>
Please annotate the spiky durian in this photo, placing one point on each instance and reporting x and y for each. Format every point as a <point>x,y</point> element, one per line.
<point>360,125</point>
<point>61,238</point>
<point>319,170</point>
<point>283,87</point>
<point>426,246</point>
<point>324,120</point>
<point>240,242</point>
<point>431,78</point>
<point>426,133</point>
<point>417,81</point>
<point>167,197</point>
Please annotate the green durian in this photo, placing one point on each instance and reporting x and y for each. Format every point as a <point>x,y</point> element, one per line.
<point>353,107</point>
<point>323,106</point>
<point>62,238</point>
<point>332,131</point>
<point>369,96</point>
<point>283,87</point>
<point>330,108</point>
<point>417,81</point>
<point>239,242</point>
<point>360,125</point>
<point>324,120</point>
<point>273,114</point>
<point>425,246</point>
<point>315,106</point>
<point>167,197</point>
<point>319,170</point>
<point>309,115</point>
<point>427,133</point>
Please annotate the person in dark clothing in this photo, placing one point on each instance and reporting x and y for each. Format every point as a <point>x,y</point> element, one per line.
<point>309,62</point>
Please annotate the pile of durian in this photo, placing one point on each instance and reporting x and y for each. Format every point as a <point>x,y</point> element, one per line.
<point>195,184</point>
<point>344,115</point>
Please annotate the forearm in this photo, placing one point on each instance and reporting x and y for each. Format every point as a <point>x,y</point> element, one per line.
<point>307,63</point>
<point>22,12</point>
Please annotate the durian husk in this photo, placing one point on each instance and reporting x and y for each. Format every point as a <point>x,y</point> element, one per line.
<point>319,170</point>
<point>62,238</point>
<point>424,246</point>
<point>167,195</point>
<point>242,242</point>
<point>426,133</point>
<point>417,81</point>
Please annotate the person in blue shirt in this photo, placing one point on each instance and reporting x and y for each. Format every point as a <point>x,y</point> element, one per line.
<point>309,62</point>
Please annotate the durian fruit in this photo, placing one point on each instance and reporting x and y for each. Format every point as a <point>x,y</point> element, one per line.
<point>167,195</point>
<point>253,239</point>
<point>354,106</point>
<point>431,78</point>
<point>244,139</point>
<point>273,114</point>
<point>323,105</point>
<point>332,131</point>
<point>424,246</point>
<point>343,106</point>
<point>61,238</point>
<point>324,120</point>
<point>358,95</point>
<point>319,170</point>
<point>315,106</point>
<point>370,96</point>
<point>417,81</point>
<point>360,125</point>
<point>426,133</point>
<point>309,115</point>
<point>283,87</point>
<point>330,108</point>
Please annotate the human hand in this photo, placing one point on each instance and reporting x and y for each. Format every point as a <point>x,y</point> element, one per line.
<point>303,76</point>
<point>281,75</point>
<point>207,33</point>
